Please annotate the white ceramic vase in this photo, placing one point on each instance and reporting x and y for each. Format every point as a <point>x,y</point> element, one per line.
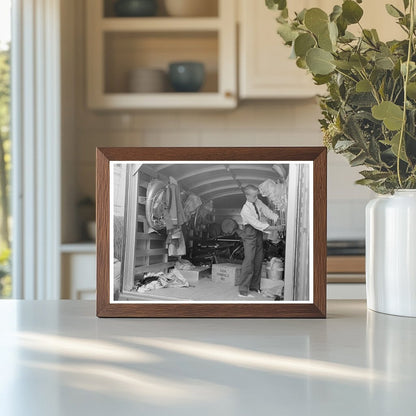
<point>391,253</point>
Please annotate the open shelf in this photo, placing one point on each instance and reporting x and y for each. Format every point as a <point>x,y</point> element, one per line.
<point>167,100</point>
<point>118,45</point>
<point>125,51</point>
<point>160,24</point>
<point>211,9</point>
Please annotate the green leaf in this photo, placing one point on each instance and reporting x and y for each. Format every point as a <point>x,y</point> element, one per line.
<point>316,20</point>
<point>394,143</point>
<point>321,79</point>
<point>292,52</point>
<point>287,33</point>
<point>374,175</point>
<point>276,4</point>
<point>351,11</point>
<point>333,32</point>
<point>363,86</point>
<point>301,15</point>
<point>347,37</point>
<point>382,89</point>
<point>345,65</point>
<point>343,145</point>
<point>365,182</point>
<point>411,90</point>
<point>375,35</point>
<point>282,20</point>
<point>384,62</point>
<point>319,61</point>
<point>354,132</point>
<point>393,11</point>
<point>303,43</point>
<point>325,42</point>
<point>359,160</point>
<point>405,21</point>
<point>412,67</point>
<point>336,12</point>
<point>391,114</point>
<point>301,63</point>
<point>368,36</point>
<point>396,70</point>
<point>374,150</point>
<point>358,61</point>
<point>342,25</point>
<point>406,4</point>
<point>362,99</point>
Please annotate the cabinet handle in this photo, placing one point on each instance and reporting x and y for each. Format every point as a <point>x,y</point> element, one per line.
<point>229,94</point>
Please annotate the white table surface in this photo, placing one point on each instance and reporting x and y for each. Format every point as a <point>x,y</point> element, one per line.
<point>57,358</point>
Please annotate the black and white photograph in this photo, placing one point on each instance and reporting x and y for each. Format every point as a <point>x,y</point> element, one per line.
<point>220,232</point>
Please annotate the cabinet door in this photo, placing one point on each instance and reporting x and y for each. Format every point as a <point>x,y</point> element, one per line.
<point>78,276</point>
<point>266,71</point>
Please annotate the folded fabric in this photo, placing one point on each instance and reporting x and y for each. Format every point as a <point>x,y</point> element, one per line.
<point>172,279</point>
<point>183,264</point>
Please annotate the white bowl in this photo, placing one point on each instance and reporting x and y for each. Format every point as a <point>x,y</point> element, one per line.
<point>147,80</point>
<point>191,8</point>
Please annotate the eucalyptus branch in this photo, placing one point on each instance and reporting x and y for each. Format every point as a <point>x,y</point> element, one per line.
<point>373,88</point>
<point>398,95</point>
<point>392,90</point>
<point>406,79</point>
<point>346,75</point>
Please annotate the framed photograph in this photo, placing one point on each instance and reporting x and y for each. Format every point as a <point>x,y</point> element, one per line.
<point>211,232</point>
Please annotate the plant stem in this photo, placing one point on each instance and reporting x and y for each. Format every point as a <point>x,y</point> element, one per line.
<point>373,88</point>
<point>346,75</point>
<point>406,79</point>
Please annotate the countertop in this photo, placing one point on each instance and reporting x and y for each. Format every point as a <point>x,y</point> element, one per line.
<point>57,358</point>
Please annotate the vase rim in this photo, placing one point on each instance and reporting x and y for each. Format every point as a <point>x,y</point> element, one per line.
<point>405,191</point>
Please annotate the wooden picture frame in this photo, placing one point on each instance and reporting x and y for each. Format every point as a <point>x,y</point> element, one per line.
<point>307,188</point>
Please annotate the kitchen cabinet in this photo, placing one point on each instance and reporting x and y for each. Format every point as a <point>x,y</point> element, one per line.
<point>118,45</point>
<point>265,69</point>
<point>78,263</point>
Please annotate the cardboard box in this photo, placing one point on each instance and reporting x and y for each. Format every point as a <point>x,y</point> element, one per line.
<point>193,275</point>
<point>226,273</point>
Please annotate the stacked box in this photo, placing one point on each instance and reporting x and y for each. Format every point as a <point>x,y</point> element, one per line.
<point>194,274</point>
<point>226,273</point>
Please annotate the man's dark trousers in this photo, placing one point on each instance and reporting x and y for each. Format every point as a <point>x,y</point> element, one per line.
<point>253,259</point>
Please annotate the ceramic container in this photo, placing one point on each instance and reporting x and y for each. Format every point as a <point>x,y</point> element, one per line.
<point>135,8</point>
<point>147,80</point>
<point>186,76</point>
<point>191,8</point>
<point>391,253</point>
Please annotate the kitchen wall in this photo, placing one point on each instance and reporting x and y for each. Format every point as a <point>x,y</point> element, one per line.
<point>253,123</point>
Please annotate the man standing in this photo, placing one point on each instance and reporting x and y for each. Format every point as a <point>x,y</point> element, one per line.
<point>253,240</point>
